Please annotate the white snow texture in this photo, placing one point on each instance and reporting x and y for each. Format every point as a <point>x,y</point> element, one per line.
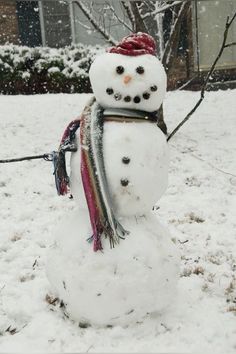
<point>198,207</point>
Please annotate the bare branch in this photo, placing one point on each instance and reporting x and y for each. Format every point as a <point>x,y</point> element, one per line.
<point>229,22</point>
<point>88,28</point>
<point>187,83</point>
<point>213,166</point>
<point>223,46</point>
<point>230,44</point>
<point>129,13</point>
<point>163,8</point>
<point>139,23</point>
<point>119,19</point>
<point>95,23</point>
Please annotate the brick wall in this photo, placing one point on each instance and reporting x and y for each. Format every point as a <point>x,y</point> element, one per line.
<point>8,22</point>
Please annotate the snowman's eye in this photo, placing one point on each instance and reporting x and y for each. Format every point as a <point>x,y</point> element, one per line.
<point>140,70</point>
<point>120,69</point>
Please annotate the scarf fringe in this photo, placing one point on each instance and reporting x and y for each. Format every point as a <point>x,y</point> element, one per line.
<point>106,230</point>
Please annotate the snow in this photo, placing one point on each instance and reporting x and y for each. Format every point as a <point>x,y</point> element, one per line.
<point>119,286</point>
<point>130,83</point>
<point>198,208</point>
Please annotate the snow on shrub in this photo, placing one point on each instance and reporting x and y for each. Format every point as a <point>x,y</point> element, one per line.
<point>25,70</point>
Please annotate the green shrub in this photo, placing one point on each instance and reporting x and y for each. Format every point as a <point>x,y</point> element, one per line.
<point>25,70</point>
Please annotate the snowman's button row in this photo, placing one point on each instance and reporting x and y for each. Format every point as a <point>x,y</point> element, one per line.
<point>124,181</point>
<point>136,99</point>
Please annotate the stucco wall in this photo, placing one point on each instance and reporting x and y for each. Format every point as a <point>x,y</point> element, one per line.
<point>8,22</point>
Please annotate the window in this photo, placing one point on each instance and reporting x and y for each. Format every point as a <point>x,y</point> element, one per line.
<point>55,23</point>
<point>29,23</point>
<point>209,24</point>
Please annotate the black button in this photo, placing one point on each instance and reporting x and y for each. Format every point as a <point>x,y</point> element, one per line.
<point>126,160</point>
<point>153,88</point>
<point>127,98</point>
<point>109,91</point>
<point>146,95</point>
<point>124,182</point>
<point>117,96</point>
<point>137,99</point>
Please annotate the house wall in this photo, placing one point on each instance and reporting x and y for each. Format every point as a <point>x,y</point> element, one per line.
<point>8,22</point>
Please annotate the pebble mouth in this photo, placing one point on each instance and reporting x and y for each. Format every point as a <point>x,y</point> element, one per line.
<point>136,99</point>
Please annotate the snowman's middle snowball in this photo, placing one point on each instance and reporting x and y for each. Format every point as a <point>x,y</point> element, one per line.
<point>136,157</point>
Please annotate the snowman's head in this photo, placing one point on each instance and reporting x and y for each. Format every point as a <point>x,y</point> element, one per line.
<point>129,75</point>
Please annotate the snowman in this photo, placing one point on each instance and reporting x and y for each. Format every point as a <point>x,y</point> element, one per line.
<point>112,262</point>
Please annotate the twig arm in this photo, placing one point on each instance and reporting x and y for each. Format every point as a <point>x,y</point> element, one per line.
<point>47,157</point>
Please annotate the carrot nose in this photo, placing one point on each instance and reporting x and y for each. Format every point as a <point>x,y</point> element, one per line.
<point>127,79</point>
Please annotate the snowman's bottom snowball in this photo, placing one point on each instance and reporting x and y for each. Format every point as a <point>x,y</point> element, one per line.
<point>118,286</point>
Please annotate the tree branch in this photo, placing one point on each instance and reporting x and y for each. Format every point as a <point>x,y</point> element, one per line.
<point>129,13</point>
<point>230,44</point>
<point>230,21</point>
<point>119,19</point>
<point>187,83</point>
<point>139,23</point>
<point>202,95</point>
<point>94,22</point>
<point>164,8</point>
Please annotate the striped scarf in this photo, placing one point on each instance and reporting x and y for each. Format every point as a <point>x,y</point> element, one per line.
<point>94,179</point>
<point>103,221</point>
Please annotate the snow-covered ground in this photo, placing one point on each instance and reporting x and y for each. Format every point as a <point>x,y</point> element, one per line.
<point>199,209</point>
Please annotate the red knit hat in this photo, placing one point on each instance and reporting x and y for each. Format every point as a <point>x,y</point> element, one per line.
<point>135,44</point>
